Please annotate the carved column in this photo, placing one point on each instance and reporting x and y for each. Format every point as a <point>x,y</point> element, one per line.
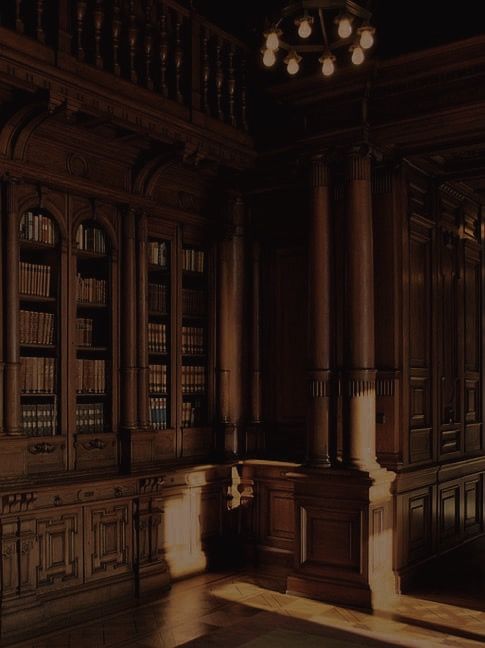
<point>2,311</point>
<point>231,311</point>
<point>361,373</point>
<point>320,287</point>
<point>12,355</point>
<point>128,323</point>
<point>142,319</point>
<point>256,382</point>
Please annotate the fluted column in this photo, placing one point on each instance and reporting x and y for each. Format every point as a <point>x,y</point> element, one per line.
<point>142,319</point>
<point>128,324</point>
<point>12,353</point>
<point>361,374</point>
<point>231,312</point>
<point>320,288</point>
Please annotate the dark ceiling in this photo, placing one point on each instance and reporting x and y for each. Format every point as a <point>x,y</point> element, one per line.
<point>405,26</point>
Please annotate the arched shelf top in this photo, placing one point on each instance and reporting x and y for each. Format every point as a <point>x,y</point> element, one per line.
<point>37,225</point>
<point>103,234</point>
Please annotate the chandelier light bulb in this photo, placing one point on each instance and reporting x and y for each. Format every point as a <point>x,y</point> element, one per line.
<point>293,63</point>
<point>269,58</point>
<point>366,37</point>
<point>358,55</point>
<point>328,65</point>
<point>272,41</point>
<point>344,27</point>
<point>304,28</point>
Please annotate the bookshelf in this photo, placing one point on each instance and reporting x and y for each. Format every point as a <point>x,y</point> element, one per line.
<point>39,270</point>
<point>158,333</point>
<point>194,338</point>
<point>93,339</point>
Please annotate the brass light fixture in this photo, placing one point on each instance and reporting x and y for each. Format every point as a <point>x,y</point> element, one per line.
<point>302,30</point>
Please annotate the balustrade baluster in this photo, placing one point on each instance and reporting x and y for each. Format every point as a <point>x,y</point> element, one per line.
<point>231,84</point>
<point>148,44</point>
<point>19,23</point>
<point>163,50</point>
<point>178,59</point>
<point>40,21</point>
<point>115,33</point>
<point>98,26</point>
<point>244,93</point>
<point>205,70</point>
<point>80,16</point>
<point>219,78</point>
<point>132,41</point>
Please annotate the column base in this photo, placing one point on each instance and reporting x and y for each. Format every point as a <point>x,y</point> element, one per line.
<point>344,536</point>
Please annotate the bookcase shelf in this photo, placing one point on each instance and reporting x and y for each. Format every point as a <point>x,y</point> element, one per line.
<point>194,342</point>
<point>159,338</point>
<point>94,346</point>
<point>39,296</point>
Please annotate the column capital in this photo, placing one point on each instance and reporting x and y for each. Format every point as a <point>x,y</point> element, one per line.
<point>320,170</point>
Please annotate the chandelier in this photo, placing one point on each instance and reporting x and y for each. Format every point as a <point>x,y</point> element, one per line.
<point>319,27</point>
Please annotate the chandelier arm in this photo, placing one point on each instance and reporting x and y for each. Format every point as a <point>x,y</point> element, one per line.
<point>322,25</point>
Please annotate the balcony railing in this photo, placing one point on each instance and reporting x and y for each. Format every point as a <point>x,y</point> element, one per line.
<point>159,44</point>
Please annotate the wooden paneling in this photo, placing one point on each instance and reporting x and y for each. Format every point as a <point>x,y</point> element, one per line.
<point>60,550</point>
<point>108,540</point>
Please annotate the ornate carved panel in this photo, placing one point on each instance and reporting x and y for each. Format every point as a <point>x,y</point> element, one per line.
<point>108,540</point>
<point>60,550</point>
<point>473,505</point>
<point>331,538</point>
<point>10,564</point>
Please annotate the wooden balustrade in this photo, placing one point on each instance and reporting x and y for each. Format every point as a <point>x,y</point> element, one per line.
<point>159,44</point>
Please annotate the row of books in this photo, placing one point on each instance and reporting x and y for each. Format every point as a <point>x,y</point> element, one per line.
<point>193,260</point>
<point>39,420</point>
<point>193,302</point>
<point>191,413</point>
<point>157,337</point>
<point>192,340</point>
<point>91,239</point>
<point>157,382</point>
<point>36,327</point>
<point>90,417</point>
<point>158,253</point>
<point>193,379</point>
<point>91,290</point>
<point>35,279</point>
<point>37,227</point>
<point>158,413</point>
<point>91,376</point>
<point>84,331</point>
<point>37,375</point>
<point>157,297</point>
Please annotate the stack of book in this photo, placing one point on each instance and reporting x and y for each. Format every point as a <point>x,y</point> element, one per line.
<point>90,239</point>
<point>39,420</point>
<point>91,290</point>
<point>157,297</point>
<point>158,379</point>
<point>37,375</point>
<point>90,417</point>
<point>157,253</point>
<point>192,340</point>
<point>158,413</point>
<point>91,376</point>
<point>193,260</point>
<point>84,331</point>
<point>157,338</point>
<point>37,227</point>
<point>190,413</point>
<point>193,302</point>
<point>193,379</point>
<point>36,328</point>
<point>35,279</point>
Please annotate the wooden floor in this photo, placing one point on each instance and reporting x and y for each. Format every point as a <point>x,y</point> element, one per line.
<point>249,610</point>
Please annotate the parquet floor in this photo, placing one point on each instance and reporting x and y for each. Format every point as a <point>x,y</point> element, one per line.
<point>251,611</point>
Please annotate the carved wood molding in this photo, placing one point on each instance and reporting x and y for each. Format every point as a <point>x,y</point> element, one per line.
<point>18,502</point>
<point>320,171</point>
<point>42,448</point>
<point>360,382</point>
<point>321,383</point>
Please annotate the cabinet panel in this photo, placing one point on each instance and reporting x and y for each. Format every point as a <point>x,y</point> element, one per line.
<point>60,549</point>
<point>108,540</point>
